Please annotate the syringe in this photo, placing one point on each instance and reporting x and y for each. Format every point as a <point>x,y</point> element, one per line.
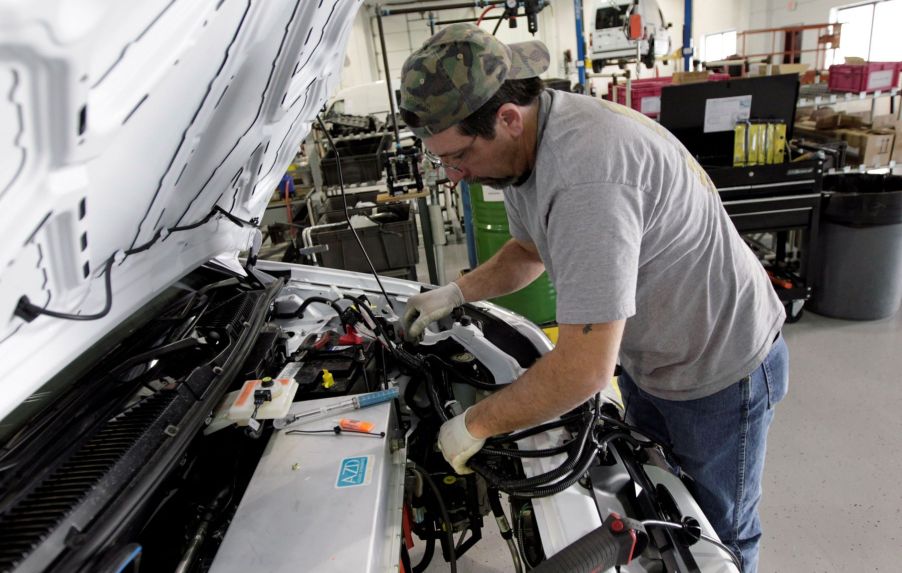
<point>352,403</point>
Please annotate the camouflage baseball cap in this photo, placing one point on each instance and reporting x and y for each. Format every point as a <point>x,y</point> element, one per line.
<point>459,69</point>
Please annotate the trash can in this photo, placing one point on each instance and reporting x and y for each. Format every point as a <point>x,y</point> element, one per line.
<point>858,270</point>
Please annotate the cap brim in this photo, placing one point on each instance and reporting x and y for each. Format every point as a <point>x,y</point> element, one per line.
<point>528,60</point>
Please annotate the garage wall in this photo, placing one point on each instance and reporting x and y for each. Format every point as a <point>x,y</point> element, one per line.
<point>404,33</point>
<point>777,13</point>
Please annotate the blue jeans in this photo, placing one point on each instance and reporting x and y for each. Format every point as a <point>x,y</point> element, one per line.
<point>720,441</point>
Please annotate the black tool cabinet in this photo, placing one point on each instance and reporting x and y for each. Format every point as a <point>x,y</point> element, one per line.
<point>777,199</point>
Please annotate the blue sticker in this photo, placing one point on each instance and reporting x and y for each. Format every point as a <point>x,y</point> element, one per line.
<point>354,471</point>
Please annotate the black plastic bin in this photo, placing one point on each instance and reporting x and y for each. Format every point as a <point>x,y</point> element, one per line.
<point>858,274</point>
<point>391,243</point>
<point>336,203</point>
<point>361,159</point>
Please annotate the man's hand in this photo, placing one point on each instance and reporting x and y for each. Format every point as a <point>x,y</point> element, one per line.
<point>425,308</point>
<point>457,443</point>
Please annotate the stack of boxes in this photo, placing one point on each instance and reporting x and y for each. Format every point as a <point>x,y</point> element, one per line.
<point>871,141</point>
<point>891,123</point>
<point>869,145</point>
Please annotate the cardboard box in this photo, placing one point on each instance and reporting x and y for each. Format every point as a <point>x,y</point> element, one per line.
<point>868,147</point>
<point>890,121</point>
<point>680,78</point>
<point>887,121</point>
<point>778,69</point>
<point>758,69</point>
<point>836,120</point>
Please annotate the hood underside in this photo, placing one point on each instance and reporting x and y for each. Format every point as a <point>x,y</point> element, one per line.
<point>138,141</point>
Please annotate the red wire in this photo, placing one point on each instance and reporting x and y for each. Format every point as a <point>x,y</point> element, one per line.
<point>484,12</point>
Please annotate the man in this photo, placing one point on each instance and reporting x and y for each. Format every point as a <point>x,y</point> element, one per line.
<point>647,266</point>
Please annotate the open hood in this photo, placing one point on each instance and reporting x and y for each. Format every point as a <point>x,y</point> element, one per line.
<point>139,140</point>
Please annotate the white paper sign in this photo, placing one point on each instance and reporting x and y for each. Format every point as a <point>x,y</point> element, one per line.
<point>880,79</point>
<point>723,113</point>
<point>650,105</point>
<point>490,194</point>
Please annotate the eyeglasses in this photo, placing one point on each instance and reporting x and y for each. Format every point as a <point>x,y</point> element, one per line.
<point>456,159</point>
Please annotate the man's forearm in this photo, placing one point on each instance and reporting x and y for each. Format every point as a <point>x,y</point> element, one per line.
<point>561,380</point>
<point>510,269</point>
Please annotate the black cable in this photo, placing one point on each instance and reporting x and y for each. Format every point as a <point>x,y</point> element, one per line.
<point>216,209</point>
<point>312,299</point>
<point>557,487</point>
<point>509,453</point>
<point>428,552</point>
<point>28,311</point>
<point>582,468</point>
<point>410,398</point>
<point>344,201</point>
<point>155,353</point>
<point>464,378</point>
<point>530,487</point>
<point>556,473</point>
<point>434,397</point>
<point>405,556</point>
<point>536,429</point>
<point>501,19</point>
<point>449,526</point>
<point>363,304</point>
<point>646,440</point>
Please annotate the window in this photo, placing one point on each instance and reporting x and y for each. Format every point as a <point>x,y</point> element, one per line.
<point>720,46</point>
<point>611,17</point>
<point>869,31</point>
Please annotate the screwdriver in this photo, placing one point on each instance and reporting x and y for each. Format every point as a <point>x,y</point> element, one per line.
<point>352,403</point>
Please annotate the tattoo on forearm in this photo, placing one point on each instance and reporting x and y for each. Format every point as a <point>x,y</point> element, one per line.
<point>587,329</point>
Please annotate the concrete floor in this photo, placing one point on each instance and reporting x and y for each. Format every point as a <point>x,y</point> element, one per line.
<point>832,498</point>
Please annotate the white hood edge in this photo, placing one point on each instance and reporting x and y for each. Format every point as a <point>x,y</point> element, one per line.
<point>121,121</point>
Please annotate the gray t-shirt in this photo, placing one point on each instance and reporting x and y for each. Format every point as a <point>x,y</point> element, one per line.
<point>629,226</point>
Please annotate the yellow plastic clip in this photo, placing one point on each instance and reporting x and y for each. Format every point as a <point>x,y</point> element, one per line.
<point>328,379</point>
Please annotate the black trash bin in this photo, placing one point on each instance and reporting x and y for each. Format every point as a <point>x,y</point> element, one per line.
<point>858,274</point>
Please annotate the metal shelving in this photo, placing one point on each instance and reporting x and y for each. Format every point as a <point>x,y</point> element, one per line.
<point>834,98</point>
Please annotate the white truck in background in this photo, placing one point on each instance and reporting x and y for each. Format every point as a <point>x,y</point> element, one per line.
<point>626,30</point>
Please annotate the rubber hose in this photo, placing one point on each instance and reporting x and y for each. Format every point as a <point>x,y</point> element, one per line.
<point>560,486</point>
<point>536,430</point>
<point>311,299</point>
<point>410,398</point>
<point>428,552</point>
<point>556,473</point>
<point>443,509</point>
<point>576,475</point>
<point>547,452</point>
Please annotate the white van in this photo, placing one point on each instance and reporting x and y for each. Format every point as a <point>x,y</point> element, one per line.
<point>611,43</point>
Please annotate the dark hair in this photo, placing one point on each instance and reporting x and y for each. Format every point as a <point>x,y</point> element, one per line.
<point>482,121</point>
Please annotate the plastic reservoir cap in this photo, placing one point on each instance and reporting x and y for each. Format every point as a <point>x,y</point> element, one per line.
<point>328,379</point>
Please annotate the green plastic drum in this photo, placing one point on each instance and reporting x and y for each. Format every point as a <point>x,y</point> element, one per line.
<point>537,301</point>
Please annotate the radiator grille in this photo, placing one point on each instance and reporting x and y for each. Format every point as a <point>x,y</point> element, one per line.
<point>35,517</point>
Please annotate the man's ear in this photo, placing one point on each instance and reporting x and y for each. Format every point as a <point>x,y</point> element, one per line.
<point>510,118</point>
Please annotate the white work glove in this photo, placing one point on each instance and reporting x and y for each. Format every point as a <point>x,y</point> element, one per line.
<point>427,307</point>
<point>457,444</point>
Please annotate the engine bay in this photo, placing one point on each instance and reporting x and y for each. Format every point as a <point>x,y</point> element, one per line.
<point>230,429</point>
